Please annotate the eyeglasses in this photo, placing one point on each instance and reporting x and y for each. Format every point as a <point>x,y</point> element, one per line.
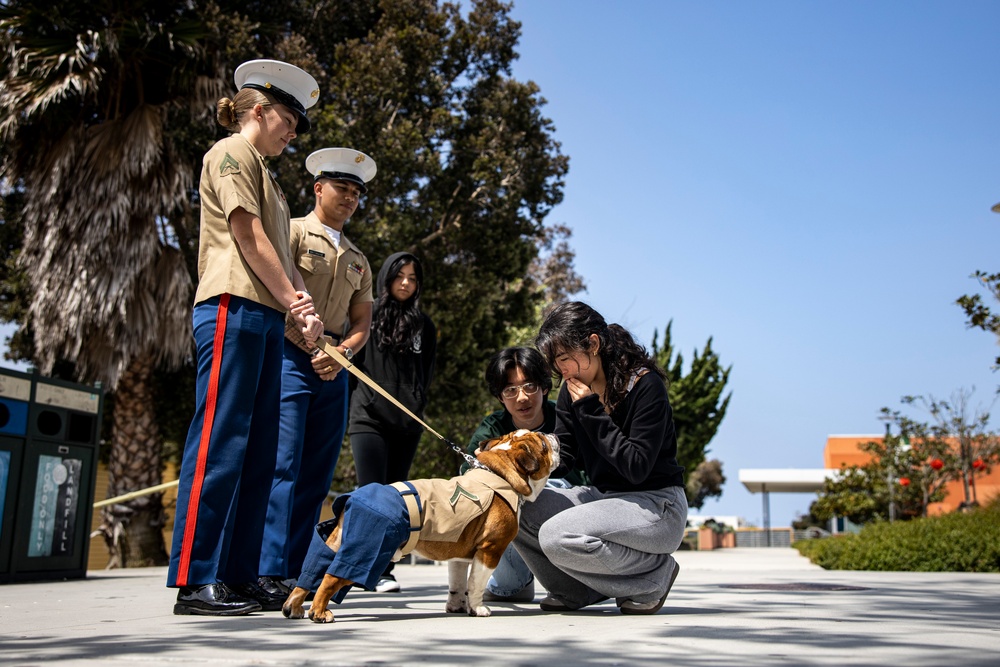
<point>529,388</point>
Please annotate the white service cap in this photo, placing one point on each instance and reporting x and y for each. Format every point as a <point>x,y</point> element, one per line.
<point>345,164</point>
<point>290,85</point>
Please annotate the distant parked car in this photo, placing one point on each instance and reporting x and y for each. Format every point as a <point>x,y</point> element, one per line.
<point>814,532</point>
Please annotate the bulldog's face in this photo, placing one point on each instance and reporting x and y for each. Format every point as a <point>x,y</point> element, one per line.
<point>524,458</point>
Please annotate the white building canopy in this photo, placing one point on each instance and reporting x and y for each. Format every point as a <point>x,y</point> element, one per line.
<point>786,480</point>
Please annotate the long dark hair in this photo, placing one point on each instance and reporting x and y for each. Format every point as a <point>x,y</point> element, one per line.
<point>568,328</point>
<point>396,323</point>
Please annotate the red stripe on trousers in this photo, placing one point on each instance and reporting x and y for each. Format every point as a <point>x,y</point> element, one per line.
<point>191,518</point>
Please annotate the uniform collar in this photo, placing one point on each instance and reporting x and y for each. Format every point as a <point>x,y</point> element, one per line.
<point>255,151</point>
<point>315,227</point>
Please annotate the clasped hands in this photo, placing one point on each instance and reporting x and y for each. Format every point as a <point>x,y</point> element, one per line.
<point>304,312</point>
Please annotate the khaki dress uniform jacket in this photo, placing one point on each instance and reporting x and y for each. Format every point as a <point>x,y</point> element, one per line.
<point>337,278</point>
<point>234,175</point>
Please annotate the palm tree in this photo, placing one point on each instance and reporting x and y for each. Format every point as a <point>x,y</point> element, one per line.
<point>99,103</point>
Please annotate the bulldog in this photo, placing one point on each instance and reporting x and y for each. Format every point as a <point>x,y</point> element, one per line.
<point>468,520</point>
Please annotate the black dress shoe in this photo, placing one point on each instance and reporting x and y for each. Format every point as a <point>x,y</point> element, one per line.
<point>213,600</point>
<point>274,585</point>
<point>268,601</point>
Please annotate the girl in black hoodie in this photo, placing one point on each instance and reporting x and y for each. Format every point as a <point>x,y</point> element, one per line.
<point>399,357</point>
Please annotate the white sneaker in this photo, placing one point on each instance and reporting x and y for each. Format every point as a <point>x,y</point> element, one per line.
<point>387,585</point>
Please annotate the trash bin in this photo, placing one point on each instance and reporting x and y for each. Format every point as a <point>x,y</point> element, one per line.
<point>49,435</point>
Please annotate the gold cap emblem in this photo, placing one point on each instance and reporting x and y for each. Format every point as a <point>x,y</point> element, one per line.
<point>314,93</point>
<point>359,159</point>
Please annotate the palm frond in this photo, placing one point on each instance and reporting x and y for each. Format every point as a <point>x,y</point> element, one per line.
<point>85,106</point>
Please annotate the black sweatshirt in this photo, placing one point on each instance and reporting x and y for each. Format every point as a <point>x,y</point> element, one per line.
<point>632,449</point>
<point>405,376</point>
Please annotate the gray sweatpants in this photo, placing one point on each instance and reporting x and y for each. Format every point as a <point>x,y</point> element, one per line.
<point>585,546</point>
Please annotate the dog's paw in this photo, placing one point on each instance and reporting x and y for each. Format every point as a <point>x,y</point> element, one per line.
<point>455,607</point>
<point>293,611</point>
<point>481,610</point>
<point>325,616</point>
<point>457,603</point>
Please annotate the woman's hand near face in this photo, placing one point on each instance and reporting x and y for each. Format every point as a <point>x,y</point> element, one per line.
<point>577,389</point>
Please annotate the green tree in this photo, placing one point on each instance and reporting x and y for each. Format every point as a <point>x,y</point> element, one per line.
<point>705,482</point>
<point>894,485</point>
<point>699,407</point>
<point>856,493</point>
<point>977,313</point>
<point>95,99</point>
<point>956,422</point>
<point>909,470</point>
<point>120,97</point>
<point>468,171</point>
<point>13,282</point>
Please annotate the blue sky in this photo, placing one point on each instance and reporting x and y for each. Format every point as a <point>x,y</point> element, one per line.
<point>807,183</point>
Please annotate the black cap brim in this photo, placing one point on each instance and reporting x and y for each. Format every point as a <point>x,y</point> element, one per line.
<point>289,101</point>
<point>344,176</point>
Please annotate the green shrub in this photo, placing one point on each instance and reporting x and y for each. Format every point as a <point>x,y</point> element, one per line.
<point>957,542</point>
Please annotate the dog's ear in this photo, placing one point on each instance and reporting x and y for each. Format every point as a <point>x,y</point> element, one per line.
<point>486,445</point>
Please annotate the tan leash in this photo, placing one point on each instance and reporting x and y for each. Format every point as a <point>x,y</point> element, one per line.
<point>326,346</point>
<point>294,336</point>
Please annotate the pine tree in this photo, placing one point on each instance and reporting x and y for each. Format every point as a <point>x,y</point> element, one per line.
<point>699,407</point>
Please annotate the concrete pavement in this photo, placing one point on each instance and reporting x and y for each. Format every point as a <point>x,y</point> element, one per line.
<point>728,607</point>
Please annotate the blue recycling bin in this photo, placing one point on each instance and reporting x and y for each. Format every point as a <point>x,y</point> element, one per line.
<point>49,437</point>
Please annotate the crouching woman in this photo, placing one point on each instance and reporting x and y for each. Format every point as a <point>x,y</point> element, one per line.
<point>614,537</point>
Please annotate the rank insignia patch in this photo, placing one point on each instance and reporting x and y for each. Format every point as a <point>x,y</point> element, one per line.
<point>229,166</point>
<point>459,492</point>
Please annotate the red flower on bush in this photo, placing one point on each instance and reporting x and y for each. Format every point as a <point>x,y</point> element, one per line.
<point>904,481</point>
<point>937,464</point>
<point>978,464</point>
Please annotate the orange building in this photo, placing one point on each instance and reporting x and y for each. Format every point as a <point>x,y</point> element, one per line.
<point>845,450</point>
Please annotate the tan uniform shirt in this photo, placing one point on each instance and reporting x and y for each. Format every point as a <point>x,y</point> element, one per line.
<point>234,175</point>
<point>450,504</point>
<point>336,278</point>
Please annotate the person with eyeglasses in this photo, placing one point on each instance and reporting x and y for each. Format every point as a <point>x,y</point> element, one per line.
<point>521,380</point>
